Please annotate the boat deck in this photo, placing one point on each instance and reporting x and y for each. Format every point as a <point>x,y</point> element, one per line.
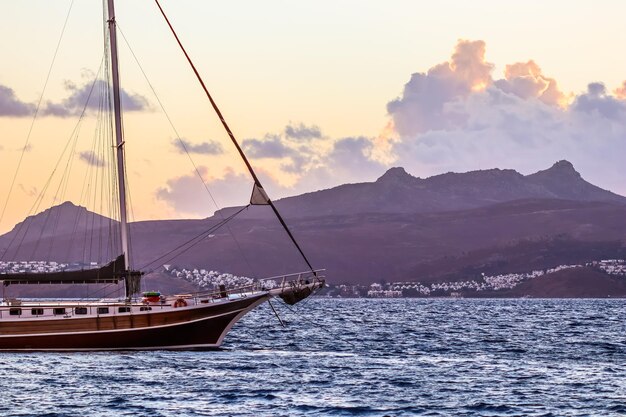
<point>11,310</point>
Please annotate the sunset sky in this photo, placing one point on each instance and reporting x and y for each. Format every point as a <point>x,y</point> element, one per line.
<point>319,93</point>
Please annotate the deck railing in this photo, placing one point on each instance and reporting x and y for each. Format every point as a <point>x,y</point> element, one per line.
<point>287,281</point>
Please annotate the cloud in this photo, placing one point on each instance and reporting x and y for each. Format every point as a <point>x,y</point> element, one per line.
<point>302,132</point>
<point>271,146</point>
<point>525,80</point>
<point>448,120</point>
<point>91,158</point>
<point>456,116</point>
<point>183,194</point>
<point>423,105</point>
<point>204,148</point>
<point>620,92</point>
<point>596,101</point>
<point>187,196</point>
<point>30,191</point>
<point>433,100</point>
<point>348,160</point>
<point>11,106</point>
<point>91,95</point>
<point>314,160</point>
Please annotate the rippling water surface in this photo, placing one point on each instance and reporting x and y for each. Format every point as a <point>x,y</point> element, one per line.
<point>354,357</point>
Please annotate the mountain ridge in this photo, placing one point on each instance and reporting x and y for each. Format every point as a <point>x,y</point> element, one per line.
<point>398,191</point>
<point>368,243</point>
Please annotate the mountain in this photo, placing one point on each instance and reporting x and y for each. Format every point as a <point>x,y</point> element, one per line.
<point>399,228</point>
<point>58,220</point>
<point>398,192</point>
<point>51,230</point>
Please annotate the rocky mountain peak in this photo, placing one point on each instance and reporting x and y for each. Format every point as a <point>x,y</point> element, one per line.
<point>395,174</point>
<point>561,168</point>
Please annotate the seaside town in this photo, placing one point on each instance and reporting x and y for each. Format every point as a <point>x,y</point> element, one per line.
<point>21,267</point>
<point>453,289</point>
<point>211,280</point>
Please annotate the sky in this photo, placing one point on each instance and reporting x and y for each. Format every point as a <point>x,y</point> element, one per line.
<point>319,93</point>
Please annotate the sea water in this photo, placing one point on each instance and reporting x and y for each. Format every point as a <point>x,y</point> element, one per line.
<point>403,357</point>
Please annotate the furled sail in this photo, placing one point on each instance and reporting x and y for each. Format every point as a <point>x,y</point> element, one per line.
<point>110,273</point>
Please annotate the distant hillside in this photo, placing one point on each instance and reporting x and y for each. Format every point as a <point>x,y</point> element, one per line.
<point>576,282</point>
<point>398,192</point>
<point>447,227</point>
<point>61,230</point>
<point>65,218</point>
<point>581,282</point>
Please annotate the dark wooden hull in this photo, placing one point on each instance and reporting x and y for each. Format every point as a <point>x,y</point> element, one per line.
<point>198,327</point>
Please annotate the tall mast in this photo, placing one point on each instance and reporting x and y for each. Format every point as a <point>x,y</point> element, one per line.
<point>119,139</point>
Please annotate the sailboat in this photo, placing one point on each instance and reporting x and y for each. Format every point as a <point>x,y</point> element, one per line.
<point>185,321</point>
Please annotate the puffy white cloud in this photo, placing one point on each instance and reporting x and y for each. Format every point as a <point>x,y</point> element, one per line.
<point>424,102</point>
<point>525,80</point>
<point>522,121</point>
<point>454,117</point>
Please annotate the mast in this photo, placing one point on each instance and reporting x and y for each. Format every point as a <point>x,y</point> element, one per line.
<point>119,139</point>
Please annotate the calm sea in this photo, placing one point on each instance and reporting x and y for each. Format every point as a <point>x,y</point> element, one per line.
<point>354,357</point>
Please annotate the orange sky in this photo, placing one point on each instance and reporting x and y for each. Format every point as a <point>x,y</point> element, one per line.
<point>325,64</point>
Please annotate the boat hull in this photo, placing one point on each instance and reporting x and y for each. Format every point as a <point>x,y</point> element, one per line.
<point>197,327</point>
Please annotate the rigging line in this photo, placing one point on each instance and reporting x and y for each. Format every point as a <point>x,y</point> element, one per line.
<point>115,289</point>
<point>102,143</point>
<point>39,200</point>
<point>30,130</point>
<point>40,197</point>
<point>62,189</point>
<point>93,163</point>
<point>98,181</point>
<point>184,146</point>
<point>102,154</point>
<point>84,194</point>
<point>92,294</point>
<point>63,183</point>
<point>234,140</point>
<point>65,180</point>
<point>198,238</point>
